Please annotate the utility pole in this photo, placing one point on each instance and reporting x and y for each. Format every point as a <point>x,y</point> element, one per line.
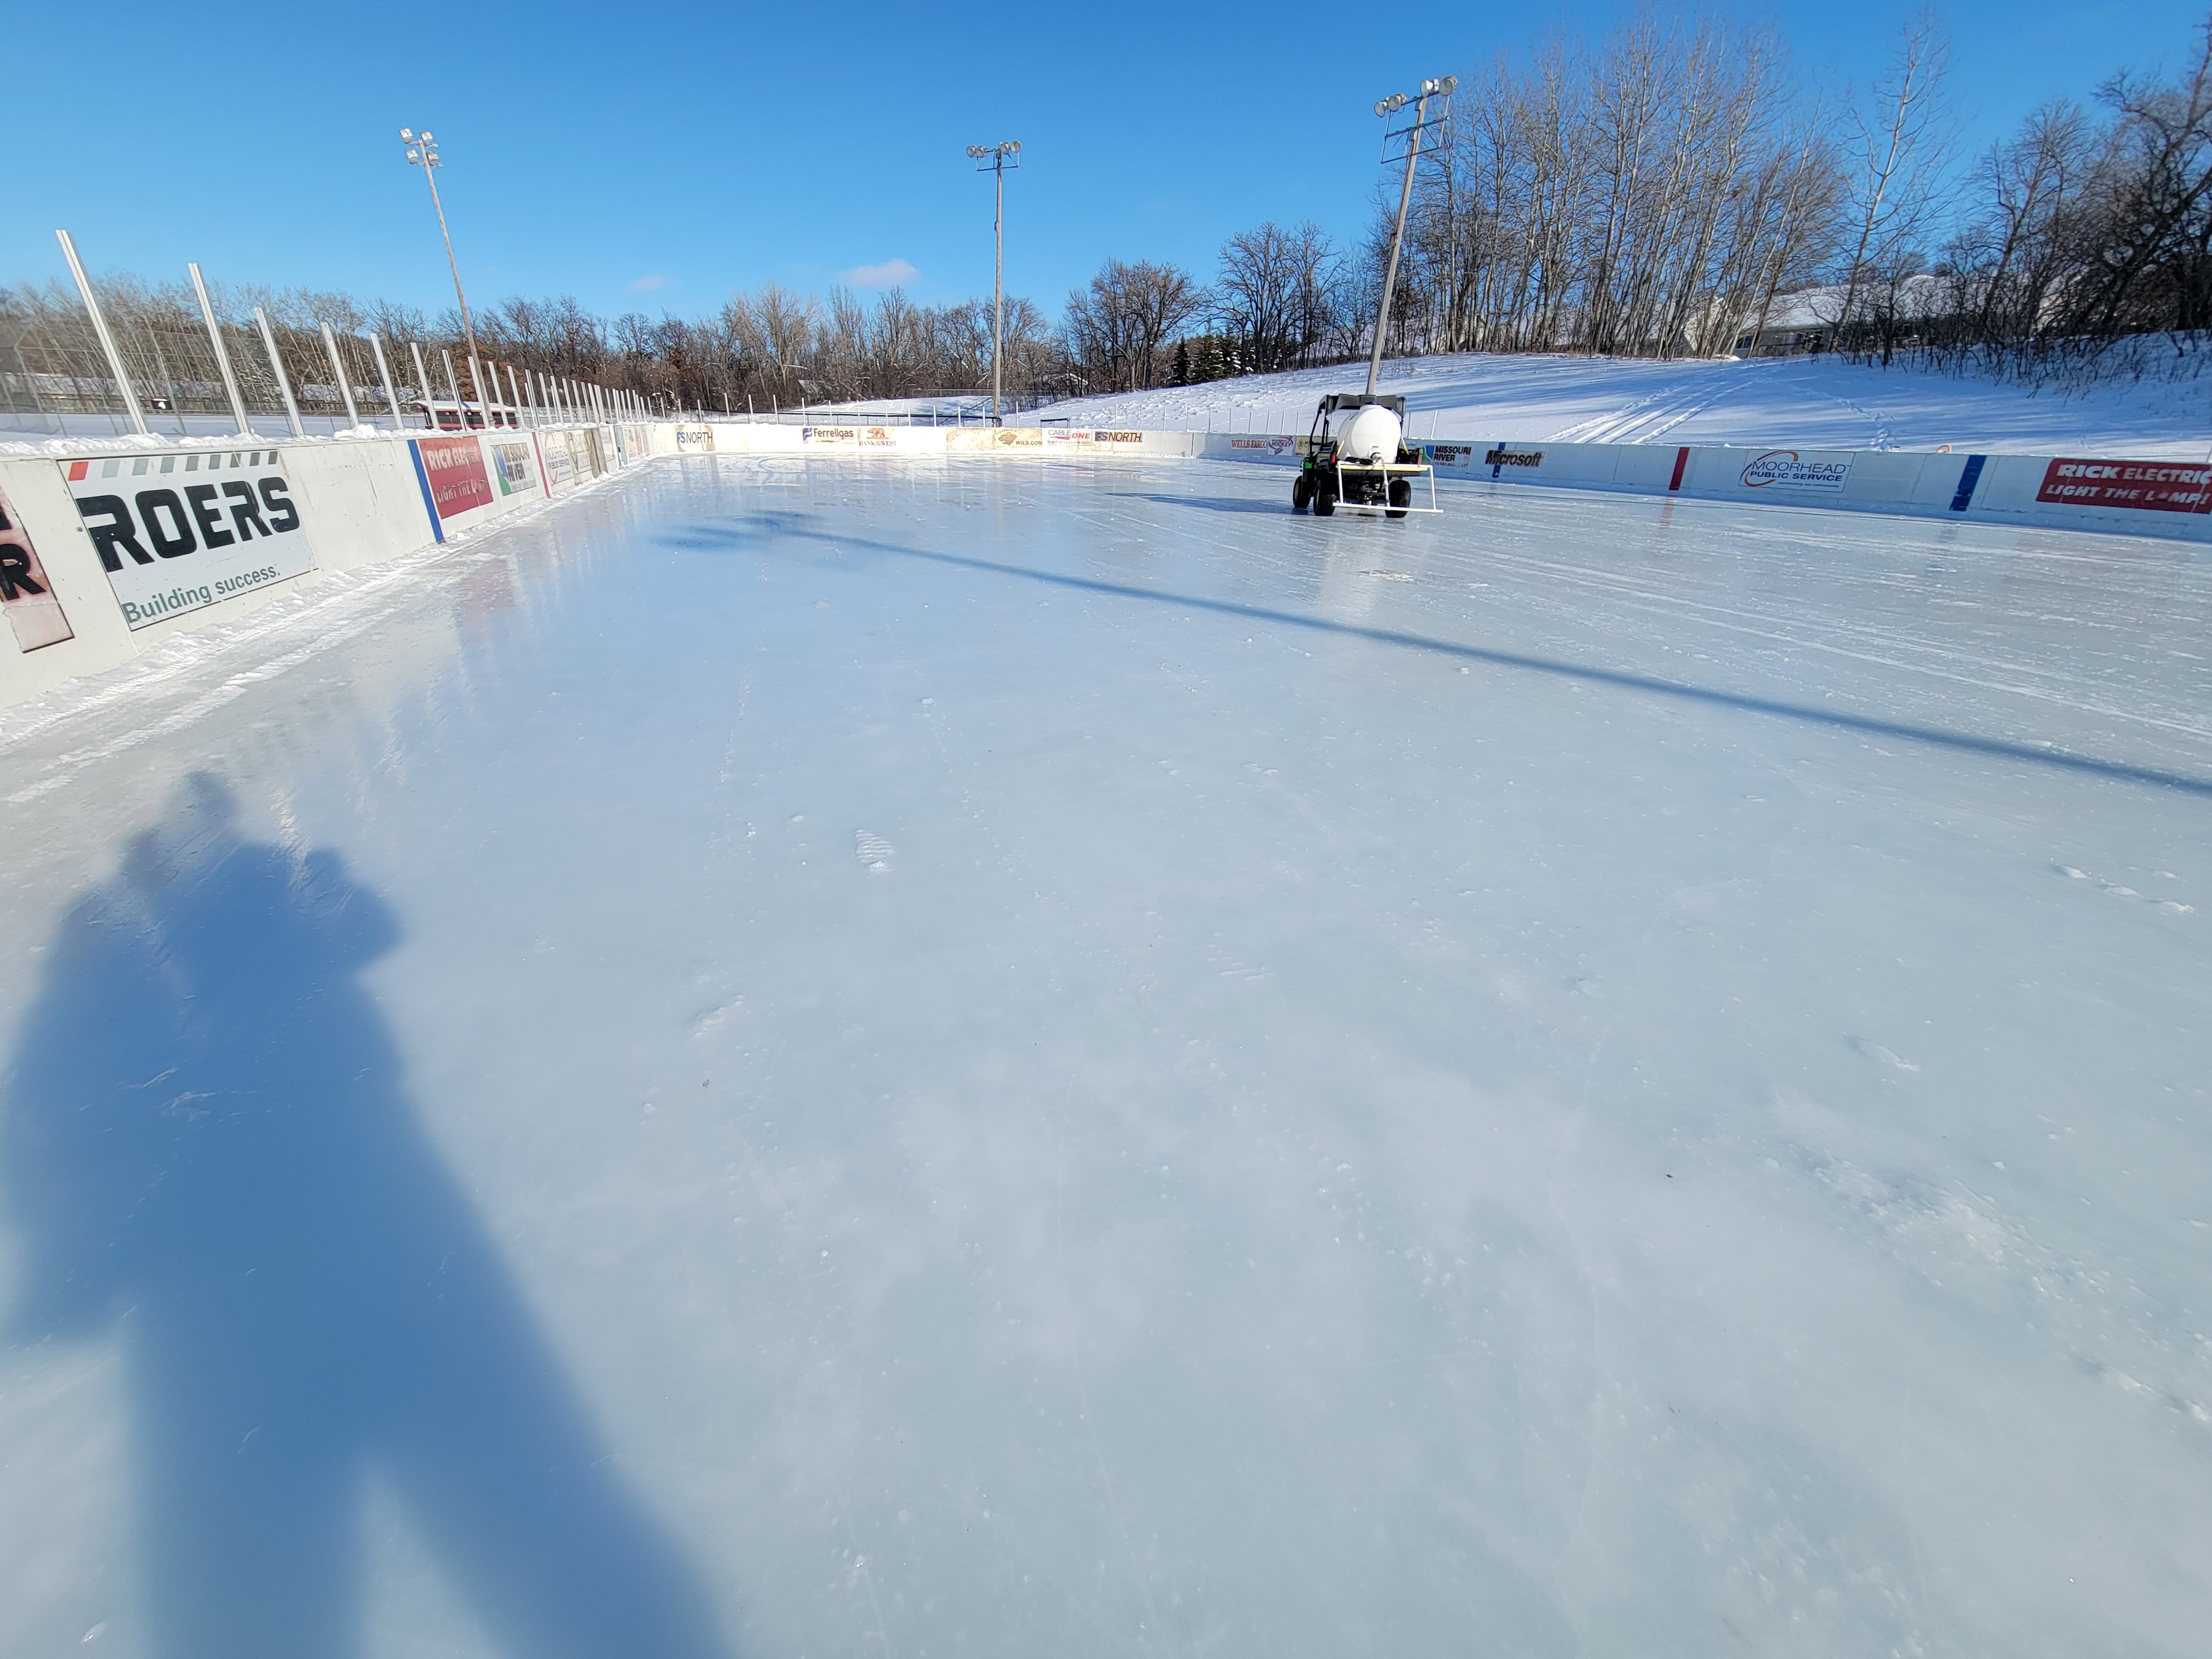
<point>422,153</point>
<point>1388,107</point>
<point>996,159</point>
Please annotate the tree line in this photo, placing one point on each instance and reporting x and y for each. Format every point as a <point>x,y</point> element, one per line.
<point>1668,190</point>
<point>1669,193</point>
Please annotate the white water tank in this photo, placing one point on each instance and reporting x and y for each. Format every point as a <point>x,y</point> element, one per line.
<point>1372,435</point>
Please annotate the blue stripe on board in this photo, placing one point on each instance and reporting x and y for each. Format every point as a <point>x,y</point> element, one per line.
<point>430,501</point>
<point>1967,480</point>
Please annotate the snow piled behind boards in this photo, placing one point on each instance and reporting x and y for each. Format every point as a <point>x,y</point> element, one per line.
<point>1815,402</point>
<point>1068,1063</point>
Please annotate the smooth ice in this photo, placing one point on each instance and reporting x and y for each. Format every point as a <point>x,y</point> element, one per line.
<point>916,1058</point>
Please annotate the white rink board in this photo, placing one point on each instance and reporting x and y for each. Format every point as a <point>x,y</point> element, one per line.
<point>1104,1070</point>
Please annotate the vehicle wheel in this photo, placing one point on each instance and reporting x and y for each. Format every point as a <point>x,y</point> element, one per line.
<point>1324,501</point>
<point>1401,498</point>
<point>1301,493</point>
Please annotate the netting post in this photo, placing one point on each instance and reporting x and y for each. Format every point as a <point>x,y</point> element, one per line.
<point>276,363</point>
<point>222,353</point>
<point>345,380</point>
<point>384,373</point>
<point>107,340</point>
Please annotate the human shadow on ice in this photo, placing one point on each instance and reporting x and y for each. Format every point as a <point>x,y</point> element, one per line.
<point>207,1142</point>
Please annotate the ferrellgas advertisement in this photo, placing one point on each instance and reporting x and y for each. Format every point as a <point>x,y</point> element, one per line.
<point>454,473</point>
<point>33,611</point>
<point>2145,486</point>
<point>1793,471</point>
<point>178,532</point>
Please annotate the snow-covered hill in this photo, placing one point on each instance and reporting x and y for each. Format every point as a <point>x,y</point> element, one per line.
<point>1817,401</point>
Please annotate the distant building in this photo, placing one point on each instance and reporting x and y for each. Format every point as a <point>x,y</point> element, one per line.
<point>1806,320</point>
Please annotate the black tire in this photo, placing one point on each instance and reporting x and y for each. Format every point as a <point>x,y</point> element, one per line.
<point>1301,491</point>
<point>1401,498</point>
<point>1324,501</point>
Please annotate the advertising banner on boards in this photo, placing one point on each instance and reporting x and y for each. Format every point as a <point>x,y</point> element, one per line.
<point>180,532</point>
<point>1798,471</point>
<point>560,466</point>
<point>510,464</point>
<point>996,438</point>
<point>455,469</point>
<point>698,440</point>
<point>2143,486</point>
<point>34,612</point>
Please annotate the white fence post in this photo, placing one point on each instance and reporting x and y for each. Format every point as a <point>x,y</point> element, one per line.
<point>107,340</point>
<point>222,353</point>
<point>345,381</point>
<point>384,373</point>
<point>423,381</point>
<point>276,362</point>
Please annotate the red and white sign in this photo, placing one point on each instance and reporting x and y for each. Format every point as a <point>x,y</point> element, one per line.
<point>2150,486</point>
<point>26,591</point>
<point>455,468</point>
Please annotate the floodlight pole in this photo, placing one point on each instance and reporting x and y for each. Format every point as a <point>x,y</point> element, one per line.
<point>1386,109</point>
<point>997,289</point>
<point>997,158</point>
<point>421,152</point>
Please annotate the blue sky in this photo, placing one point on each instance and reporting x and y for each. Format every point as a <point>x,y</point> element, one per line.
<point>657,158</point>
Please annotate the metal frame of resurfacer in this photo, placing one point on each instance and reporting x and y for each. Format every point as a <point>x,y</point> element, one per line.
<point>1389,470</point>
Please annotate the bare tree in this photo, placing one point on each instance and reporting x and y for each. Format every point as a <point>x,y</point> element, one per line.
<point>1901,144</point>
<point>2154,265</point>
<point>1117,326</point>
<point>1277,292</point>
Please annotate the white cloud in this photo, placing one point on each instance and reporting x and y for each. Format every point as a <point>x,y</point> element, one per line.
<point>647,284</point>
<point>892,273</point>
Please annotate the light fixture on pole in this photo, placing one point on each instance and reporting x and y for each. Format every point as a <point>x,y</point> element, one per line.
<point>995,159</point>
<point>422,152</point>
<point>1412,133</point>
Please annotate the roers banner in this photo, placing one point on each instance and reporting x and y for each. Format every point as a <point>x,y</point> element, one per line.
<point>180,532</point>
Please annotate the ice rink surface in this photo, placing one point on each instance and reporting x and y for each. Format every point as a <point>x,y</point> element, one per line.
<point>958,1058</point>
